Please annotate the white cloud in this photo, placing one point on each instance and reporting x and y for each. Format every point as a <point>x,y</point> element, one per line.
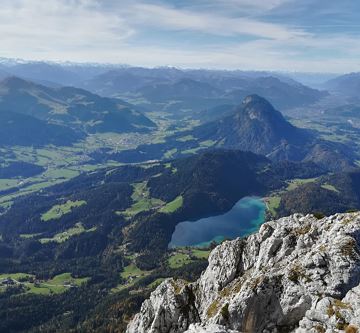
<point>261,4</point>
<point>55,24</point>
<point>176,19</point>
<point>92,30</point>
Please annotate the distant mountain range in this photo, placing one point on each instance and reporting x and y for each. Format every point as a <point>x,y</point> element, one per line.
<point>348,84</point>
<point>201,88</point>
<point>52,73</point>
<point>282,94</point>
<point>180,90</point>
<point>38,115</point>
<point>156,84</point>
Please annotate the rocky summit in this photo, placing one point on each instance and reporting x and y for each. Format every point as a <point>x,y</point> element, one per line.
<point>297,274</point>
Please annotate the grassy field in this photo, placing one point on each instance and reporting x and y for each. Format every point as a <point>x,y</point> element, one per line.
<point>200,254</point>
<point>29,236</point>
<point>297,182</point>
<point>16,276</point>
<point>329,128</point>
<point>186,138</point>
<point>58,284</point>
<point>173,205</point>
<point>169,166</point>
<point>31,185</point>
<point>156,283</point>
<point>192,151</point>
<point>330,187</point>
<point>63,163</point>
<point>59,210</point>
<point>182,257</point>
<point>61,173</point>
<point>132,271</point>
<point>207,143</point>
<point>273,201</point>
<point>64,236</point>
<point>170,153</point>
<point>60,163</point>
<point>6,184</point>
<point>178,260</point>
<point>66,278</point>
<point>142,200</point>
<point>201,146</point>
<point>272,204</point>
<point>131,275</point>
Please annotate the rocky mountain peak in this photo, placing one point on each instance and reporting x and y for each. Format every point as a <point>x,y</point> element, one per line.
<point>252,99</point>
<point>297,274</point>
<point>256,107</point>
<point>14,82</point>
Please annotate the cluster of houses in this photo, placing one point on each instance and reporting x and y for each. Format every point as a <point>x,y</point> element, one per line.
<point>7,282</point>
<point>10,282</point>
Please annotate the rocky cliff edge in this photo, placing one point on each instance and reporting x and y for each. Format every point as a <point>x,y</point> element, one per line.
<point>297,274</point>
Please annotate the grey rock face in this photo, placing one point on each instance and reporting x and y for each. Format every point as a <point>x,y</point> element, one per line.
<point>297,274</point>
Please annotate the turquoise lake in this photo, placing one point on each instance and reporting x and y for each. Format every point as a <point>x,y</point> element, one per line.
<point>243,219</point>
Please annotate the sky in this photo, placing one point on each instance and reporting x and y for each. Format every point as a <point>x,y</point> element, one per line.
<point>279,35</point>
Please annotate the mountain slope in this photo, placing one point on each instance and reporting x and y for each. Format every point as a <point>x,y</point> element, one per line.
<point>23,130</point>
<point>255,126</point>
<point>101,225</point>
<point>180,90</point>
<point>3,73</point>
<point>328,195</point>
<point>130,79</point>
<point>75,108</point>
<point>62,74</point>
<point>209,183</point>
<point>348,84</point>
<point>214,180</point>
<point>283,95</point>
<point>19,169</point>
<point>298,274</point>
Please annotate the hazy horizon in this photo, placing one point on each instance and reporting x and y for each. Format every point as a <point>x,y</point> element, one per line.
<point>8,62</point>
<point>276,35</point>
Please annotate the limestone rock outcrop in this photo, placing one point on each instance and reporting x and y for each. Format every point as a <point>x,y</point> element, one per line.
<point>297,274</point>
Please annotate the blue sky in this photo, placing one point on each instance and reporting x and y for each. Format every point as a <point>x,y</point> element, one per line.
<point>287,35</point>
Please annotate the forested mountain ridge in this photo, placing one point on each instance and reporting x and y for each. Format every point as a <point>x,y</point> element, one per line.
<point>102,224</point>
<point>327,195</point>
<point>61,115</point>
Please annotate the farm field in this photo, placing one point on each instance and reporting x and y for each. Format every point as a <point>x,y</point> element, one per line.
<point>63,163</point>
<point>142,200</point>
<point>59,210</point>
<point>58,284</point>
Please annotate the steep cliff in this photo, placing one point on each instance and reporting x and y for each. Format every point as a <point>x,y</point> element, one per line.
<point>297,274</point>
